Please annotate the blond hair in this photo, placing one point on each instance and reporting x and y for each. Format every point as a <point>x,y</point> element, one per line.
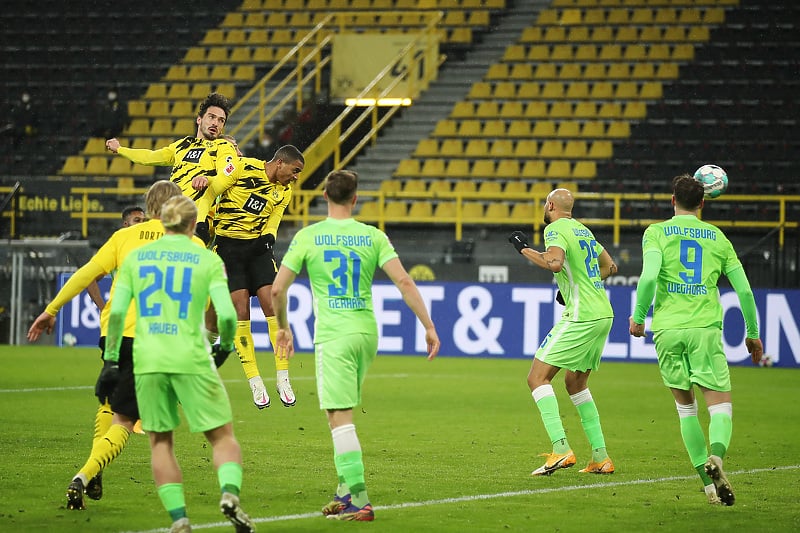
<point>158,194</point>
<point>178,213</point>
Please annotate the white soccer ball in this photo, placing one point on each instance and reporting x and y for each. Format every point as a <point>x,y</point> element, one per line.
<point>69,339</point>
<point>714,180</point>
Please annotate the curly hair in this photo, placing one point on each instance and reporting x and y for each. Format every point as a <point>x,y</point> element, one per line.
<point>216,100</point>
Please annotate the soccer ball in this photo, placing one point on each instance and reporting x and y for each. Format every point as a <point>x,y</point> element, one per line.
<point>714,180</point>
<point>69,339</point>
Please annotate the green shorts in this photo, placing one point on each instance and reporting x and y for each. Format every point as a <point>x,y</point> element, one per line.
<point>687,356</point>
<point>575,346</point>
<point>341,368</point>
<point>202,396</point>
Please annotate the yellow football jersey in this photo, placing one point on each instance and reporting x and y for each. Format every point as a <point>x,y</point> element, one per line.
<point>253,206</point>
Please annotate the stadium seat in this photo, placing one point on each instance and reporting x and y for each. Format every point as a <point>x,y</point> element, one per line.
<point>451,147</point>
<point>437,187</point>
<point>96,166</point>
<point>420,209</point>
<point>396,210</point>
<point>523,212</point>
<point>73,165</point>
<point>427,148</point>
<point>94,146</point>
<point>445,210</point>
<point>465,187</point>
<point>483,169</point>
<point>414,186</point>
<point>497,211</point>
<point>489,187</point>
<point>446,128</point>
<point>470,128</point>
<point>408,167</point>
<point>516,187</point>
<point>433,168</point>
<point>507,169</point>
<point>458,168</point>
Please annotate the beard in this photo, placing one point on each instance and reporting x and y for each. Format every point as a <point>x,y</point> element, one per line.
<point>546,217</point>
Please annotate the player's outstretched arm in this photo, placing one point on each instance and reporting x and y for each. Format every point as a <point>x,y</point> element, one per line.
<point>747,302</point>
<point>413,299</point>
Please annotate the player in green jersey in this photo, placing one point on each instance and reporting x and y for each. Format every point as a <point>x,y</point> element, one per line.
<point>203,166</point>
<point>683,258</point>
<point>341,256</point>
<point>580,264</point>
<point>111,435</point>
<point>170,281</point>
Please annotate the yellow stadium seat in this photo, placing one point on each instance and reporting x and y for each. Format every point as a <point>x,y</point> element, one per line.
<point>458,168</point>
<point>610,52</point>
<point>200,91</point>
<point>176,73</point>
<point>139,126</point>
<point>463,110</point>
<point>242,72</point>
<point>487,109</point>
<point>301,19</point>
<point>494,128</point>
<point>650,34</point>
<point>497,71</point>
<point>619,129</point>
<point>481,89</point>
<point>489,187</point>
<point>523,212</point>
<point>552,90</point>
<point>714,15</point>
<point>407,167</point>
<point>217,54</point>
<point>578,90</point>
<point>531,34</point>
<point>666,16</point>
<point>650,90</point>
<point>94,146</point>
<point>137,108</point>
<point>155,91</point>
<point>161,127</point>
<point>178,91</point>
<point>73,165</point>
<point>521,71</point>
<point>526,148</point>
<point>562,52</point>
<point>497,212</point>
<point>263,54</point>
<point>559,170</point>
<point>667,71</point>
<point>390,186</point>
<point>585,52</point>
<point>195,54</point>
<point>258,38</point>
<point>470,128</point>
<point>472,212</point>
<point>541,188</point>
<point>504,90</point>
<point>574,149</point>
<point>551,148</point>
<point>536,110</point>
<point>643,70</point>
<point>539,52</point>
<point>233,19</point>
<point>214,37</point>
<point>445,210</point>
<point>258,20</point>
<point>507,169</point>
<point>610,110</point>
<point>451,148</point>
<point>543,71</point>
<point>414,186</point>
<point>514,52</point>
<point>593,129</point>
<point>634,52</point>
<point>219,73</point>
<point>594,71</point>
<point>142,142</point>
<point>555,34</point>
<point>501,148</point>
<point>483,169</point>
<point>600,150</point>
<point>120,167</point>
<point>570,71</point>
<point>396,210</point>
<point>584,170</point>
<point>519,128</point>
<point>562,110</point>
<point>569,128</point>
<point>158,108</point>
<point>698,34</point>
<point>420,209</point>
<point>433,168</point>
<point>634,110</point>
<point>465,187</point>
<point>571,186</point>
<point>516,187</point>
<point>602,90</point>
<point>682,52</point>
<point>368,210</point>
<point>226,89</point>
<point>235,37</point>
<point>533,169</point>
<point>618,71</point>
<point>512,109</point>
<point>446,128</point>
<point>626,90</point>
<point>182,109</point>
<point>96,165</point>
<point>528,90</point>
<point>544,128</point>
<point>476,148</point>
<point>585,109</point>
<point>427,148</point>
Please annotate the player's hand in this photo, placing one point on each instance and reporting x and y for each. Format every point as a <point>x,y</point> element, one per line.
<point>519,240</point>
<point>755,349</point>
<point>432,340</point>
<point>284,341</point>
<point>202,231</point>
<point>269,241</point>
<point>107,380</point>
<point>199,183</point>
<point>112,145</point>
<point>44,322</point>
<point>637,330</point>
<point>560,297</point>
<point>221,354</point>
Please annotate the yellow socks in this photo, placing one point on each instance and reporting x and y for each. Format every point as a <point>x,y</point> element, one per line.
<point>247,352</point>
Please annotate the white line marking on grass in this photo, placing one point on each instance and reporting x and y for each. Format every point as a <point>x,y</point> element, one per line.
<point>477,497</point>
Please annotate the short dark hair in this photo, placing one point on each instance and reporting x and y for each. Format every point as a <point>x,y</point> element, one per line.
<point>688,192</point>
<point>216,100</point>
<point>130,209</point>
<point>341,185</point>
<point>289,153</point>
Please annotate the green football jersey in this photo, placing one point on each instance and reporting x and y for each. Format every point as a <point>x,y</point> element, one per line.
<point>341,257</point>
<point>170,280</point>
<point>693,255</point>
<point>579,281</point>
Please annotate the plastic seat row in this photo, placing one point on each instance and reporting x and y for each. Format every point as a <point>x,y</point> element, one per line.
<point>573,90</point>
<point>501,148</point>
<point>214,73</point>
<point>636,15</point>
<point>599,52</point>
<point>539,129</point>
<point>308,18</point>
<point>470,187</point>
<point>489,109</point>
<point>507,169</point>
<point>76,165</point>
<point>447,211</point>
<point>161,108</point>
<point>235,54</point>
<point>187,91</point>
<point>330,5</point>
<point>547,70</point>
<point>610,34</point>
<point>161,127</point>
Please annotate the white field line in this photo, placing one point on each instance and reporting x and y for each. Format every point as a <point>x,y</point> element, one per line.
<point>476,497</point>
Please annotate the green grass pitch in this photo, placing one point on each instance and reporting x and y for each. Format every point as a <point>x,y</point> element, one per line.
<point>448,446</point>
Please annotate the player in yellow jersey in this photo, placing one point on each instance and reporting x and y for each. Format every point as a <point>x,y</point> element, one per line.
<point>109,440</point>
<point>203,166</point>
<point>246,221</point>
